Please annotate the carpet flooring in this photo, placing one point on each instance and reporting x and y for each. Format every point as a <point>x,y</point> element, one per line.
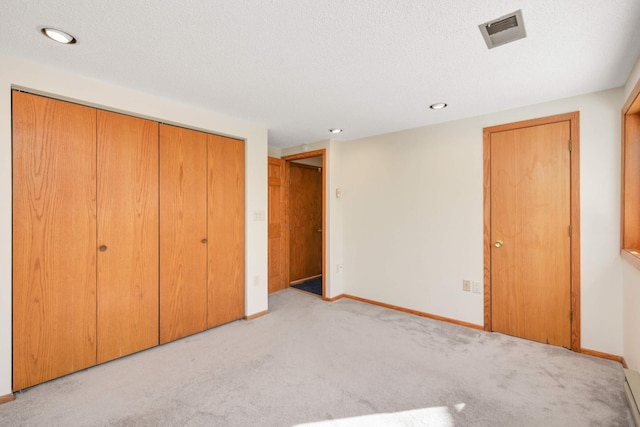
<point>312,285</point>
<point>346,363</point>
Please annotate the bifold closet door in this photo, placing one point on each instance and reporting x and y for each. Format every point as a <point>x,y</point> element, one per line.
<point>183,232</point>
<point>54,239</point>
<point>226,230</point>
<point>127,291</point>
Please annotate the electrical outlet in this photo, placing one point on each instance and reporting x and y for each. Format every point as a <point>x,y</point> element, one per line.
<point>476,287</point>
<point>466,285</point>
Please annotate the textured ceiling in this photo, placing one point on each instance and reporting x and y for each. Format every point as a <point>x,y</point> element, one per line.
<point>300,67</point>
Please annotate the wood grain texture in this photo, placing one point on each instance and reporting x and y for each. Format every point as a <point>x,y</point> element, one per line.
<point>630,200</point>
<point>183,232</point>
<point>54,229</point>
<point>226,214</point>
<point>128,226</point>
<point>487,243</point>
<point>631,182</point>
<point>522,213</point>
<point>305,217</point>
<point>574,119</point>
<point>278,255</point>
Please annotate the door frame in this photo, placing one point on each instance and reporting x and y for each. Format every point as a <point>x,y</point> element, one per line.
<point>574,120</point>
<point>316,153</point>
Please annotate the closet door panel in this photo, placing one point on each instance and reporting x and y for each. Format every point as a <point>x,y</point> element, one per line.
<point>226,230</point>
<point>127,292</point>
<point>183,232</point>
<point>54,239</point>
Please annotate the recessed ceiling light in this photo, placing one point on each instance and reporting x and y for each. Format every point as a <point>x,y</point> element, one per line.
<point>58,35</point>
<point>335,130</point>
<point>438,106</point>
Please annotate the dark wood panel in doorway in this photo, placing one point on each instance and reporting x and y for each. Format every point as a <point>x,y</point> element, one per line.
<point>305,216</point>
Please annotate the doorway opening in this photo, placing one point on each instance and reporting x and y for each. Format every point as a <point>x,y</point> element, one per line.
<point>297,222</point>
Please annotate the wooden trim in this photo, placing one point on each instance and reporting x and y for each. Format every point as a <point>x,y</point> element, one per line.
<point>624,364</point>
<point>256,315</point>
<point>632,256</point>
<point>602,355</point>
<point>574,120</point>
<point>304,279</point>
<point>414,312</point>
<point>533,122</point>
<point>6,398</point>
<point>630,176</point>
<point>316,153</point>
<point>623,140</point>
<point>287,230</point>
<point>306,155</point>
<point>486,148</point>
<point>575,225</point>
<point>635,92</point>
<point>333,299</point>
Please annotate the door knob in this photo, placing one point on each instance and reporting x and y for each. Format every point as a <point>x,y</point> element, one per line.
<point>319,230</point>
<point>204,240</point>
<point>103,248</point>
<point>498,244</point>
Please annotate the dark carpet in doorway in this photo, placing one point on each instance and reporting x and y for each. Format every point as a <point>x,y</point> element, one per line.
<point>312,285</point>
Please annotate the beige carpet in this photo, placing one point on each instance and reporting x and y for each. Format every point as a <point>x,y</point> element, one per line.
<point>344,363</point>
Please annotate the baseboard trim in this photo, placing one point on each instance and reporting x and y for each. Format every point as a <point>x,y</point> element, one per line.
<point>256,315</point>
<point>416,312</point>
<point>602,355</point>
<point>6,398</point>
<point>304,279</point>
<point>332,299</point>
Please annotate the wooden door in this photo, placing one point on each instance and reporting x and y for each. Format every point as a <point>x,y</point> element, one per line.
<point>183,232</point>
<point>54,239</point>
<point>127,235</point>
<point>226,230</point>
<point>278,269</point>
<point>305,217</point>
<point>530,232</point>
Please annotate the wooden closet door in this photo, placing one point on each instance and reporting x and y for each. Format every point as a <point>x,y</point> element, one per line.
<point>183,232</point>
<point>54,239</point>
<point>127,235</point>
<point>226,230</point>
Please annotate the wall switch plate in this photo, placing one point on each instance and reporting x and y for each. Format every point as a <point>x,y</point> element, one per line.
<point>476,287</point>
<point>466,285</point>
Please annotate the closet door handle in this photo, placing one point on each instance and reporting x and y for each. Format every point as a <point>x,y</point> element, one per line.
<point>204,241</point>
<point>103,248</point>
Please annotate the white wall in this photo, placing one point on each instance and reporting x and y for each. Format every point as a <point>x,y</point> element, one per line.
<point>413,215</point>
<point>631,352</point>
<point>91,92</point>
<point>631,279</point>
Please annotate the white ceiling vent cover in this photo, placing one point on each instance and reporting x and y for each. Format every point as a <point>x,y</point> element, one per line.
<point>503,30</point>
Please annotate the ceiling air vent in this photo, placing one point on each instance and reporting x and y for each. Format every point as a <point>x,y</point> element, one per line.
<point>503,30</point>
